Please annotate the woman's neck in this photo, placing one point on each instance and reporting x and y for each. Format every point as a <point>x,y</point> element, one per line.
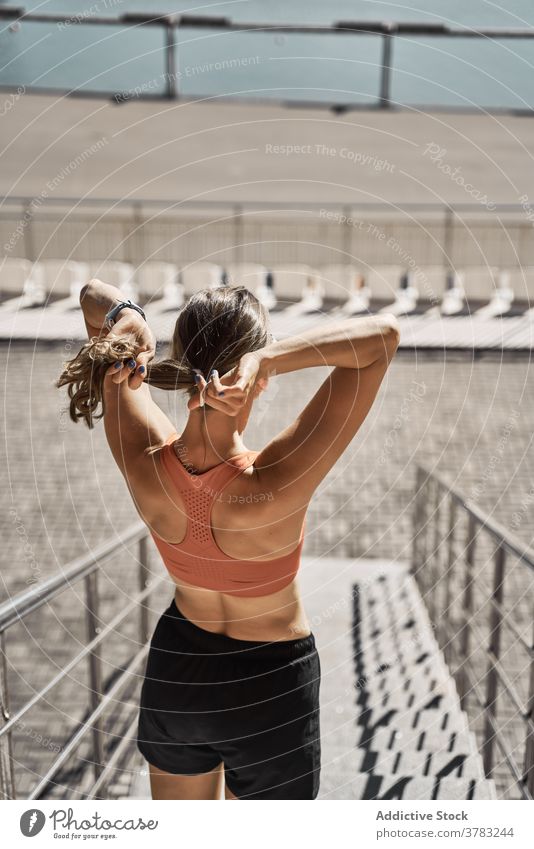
<point>211,436</point>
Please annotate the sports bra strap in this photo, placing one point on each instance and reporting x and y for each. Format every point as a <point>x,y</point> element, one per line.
<point>199,491</point>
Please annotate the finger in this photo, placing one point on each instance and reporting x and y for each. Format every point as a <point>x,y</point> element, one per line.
<point>138,374</point>
<point>123,373</point>
<point>113,370</point>
<point>120,372</point>
<point>217,385</point>
<point>201,384</point>
<point>212,399</point>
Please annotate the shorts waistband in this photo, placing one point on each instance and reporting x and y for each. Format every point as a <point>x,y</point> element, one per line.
<point>209,642</point>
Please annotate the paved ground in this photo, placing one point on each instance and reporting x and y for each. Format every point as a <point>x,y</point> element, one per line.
<point>389,158</point>
<point>62,496</point>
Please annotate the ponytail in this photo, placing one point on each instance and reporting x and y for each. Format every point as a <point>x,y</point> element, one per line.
<point>84,375</point>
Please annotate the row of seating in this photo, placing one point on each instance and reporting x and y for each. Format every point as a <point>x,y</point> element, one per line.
<point>27,284</point>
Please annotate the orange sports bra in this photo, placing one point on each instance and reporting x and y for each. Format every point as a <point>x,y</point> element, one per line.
<point>198,560</point>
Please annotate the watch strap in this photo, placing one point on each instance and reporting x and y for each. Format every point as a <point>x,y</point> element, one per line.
<point>111,316</point>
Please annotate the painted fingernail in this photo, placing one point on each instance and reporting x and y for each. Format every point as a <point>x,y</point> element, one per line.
<point>197,378</point>
<point>221,393</point>
<point>118,364</point>
<point>131,363</point>
<point>141,369</point>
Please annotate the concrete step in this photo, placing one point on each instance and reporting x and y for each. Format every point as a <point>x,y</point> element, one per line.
<point>374,786</point>
<point>378,684</point>
<point>436,712</point>
<point>410,699</point>
<point>434,764</point>
<point>433,740</point>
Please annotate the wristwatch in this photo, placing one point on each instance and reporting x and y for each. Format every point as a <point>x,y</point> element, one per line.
<point>111,316</point>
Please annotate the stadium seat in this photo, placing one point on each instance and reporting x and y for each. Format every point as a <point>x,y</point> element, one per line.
<point>200,275</point>
<point>383,280</point>
<point>479,282</point>
<point>501,299</point>
<point>65,278</point>
<point>431,282</point>
<point>338,281</point>
<point>290,281</point>
<point>254,277</point>
<point>453,301</point>
<point>359,297</point>
<point>22,283</point>
<point>13,276</point>
<point>522,282</point>
<point>158,281</point>
<point>120,274</point>
<point>299,282</point>
<point>406,296</point>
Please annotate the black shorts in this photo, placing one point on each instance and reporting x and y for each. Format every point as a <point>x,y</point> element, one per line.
<point>208,698</point>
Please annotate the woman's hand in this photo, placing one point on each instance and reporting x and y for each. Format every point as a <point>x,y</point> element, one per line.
<point>230,393</point>
<point>132,327</point>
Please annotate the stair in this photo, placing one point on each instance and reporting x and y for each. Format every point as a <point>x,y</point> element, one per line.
<point>413,739</point>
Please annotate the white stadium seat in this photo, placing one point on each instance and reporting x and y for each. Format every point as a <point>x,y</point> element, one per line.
<point>501,299</point>
<point>338,280</point>
<point>13,276</point>
<point>24,282</point>
<point>158,281</point>
<point>522,282</point>
<point>453,300</point>
<point>254,277</point>
<point>383,280</point>
<point>431,282</point>
<point>119,274</point>
<point>290,281</point>
<point>480,282</point>
<point>201,275</point>
<point>406,296</point>
<point>65,277</point>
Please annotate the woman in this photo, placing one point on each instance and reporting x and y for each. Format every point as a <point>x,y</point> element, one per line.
<point>231,691</point>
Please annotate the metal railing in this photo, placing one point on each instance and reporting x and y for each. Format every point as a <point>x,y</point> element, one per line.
<point>15,610</point>
<point>172,23</point>
<point>467,605</point>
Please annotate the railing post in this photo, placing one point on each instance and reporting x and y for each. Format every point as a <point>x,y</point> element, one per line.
<point>467,609</point>
<point>7,778</point>
<point>446,617</point>
<point>95,668</point>
<point>385,72</point>
<point>494,649</point>
<point>436,556</point>
<point>529,747</point>
<point>143,584</point>
<point>416,527</point>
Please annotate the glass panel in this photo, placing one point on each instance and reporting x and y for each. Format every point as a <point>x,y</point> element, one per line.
<point>321,68</point>
<point>87,57</point>
<point>463,72</point>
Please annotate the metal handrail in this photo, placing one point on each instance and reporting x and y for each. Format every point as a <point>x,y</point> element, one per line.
<point>14,610</point>
<point>26,602</point>
<point>458,618</point>
<point>171,23</point>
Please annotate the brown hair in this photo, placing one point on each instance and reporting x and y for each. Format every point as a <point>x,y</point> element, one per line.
<point>215,328</point>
